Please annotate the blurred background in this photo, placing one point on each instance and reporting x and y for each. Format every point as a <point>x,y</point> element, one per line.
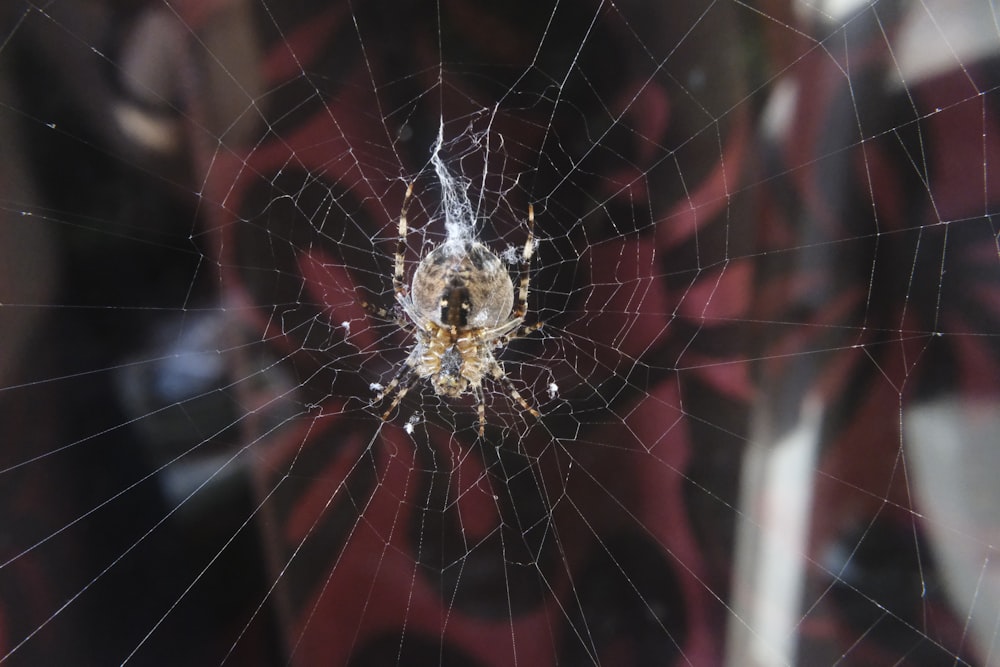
<point>768,267</point>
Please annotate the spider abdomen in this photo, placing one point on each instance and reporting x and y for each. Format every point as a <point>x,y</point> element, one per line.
<point>463,287</point>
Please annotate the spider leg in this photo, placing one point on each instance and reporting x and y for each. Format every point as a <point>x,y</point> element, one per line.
<point>398,272</point>
<point>518,333</point>
<point>496,370</point>
<point>404,380</point>
<point>521,306</point>
<point>477,390</point>
<point>377,311</point>
<point>389,316</point>
<point>399,397</point>
<point>400,267</point>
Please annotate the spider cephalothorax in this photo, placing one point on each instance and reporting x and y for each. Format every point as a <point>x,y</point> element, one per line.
<point>461,306</point>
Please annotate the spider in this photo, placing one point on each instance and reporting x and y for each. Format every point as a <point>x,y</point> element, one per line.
<point>460,308</point>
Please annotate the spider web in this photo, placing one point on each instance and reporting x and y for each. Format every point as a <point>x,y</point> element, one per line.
<point>766,263</point>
